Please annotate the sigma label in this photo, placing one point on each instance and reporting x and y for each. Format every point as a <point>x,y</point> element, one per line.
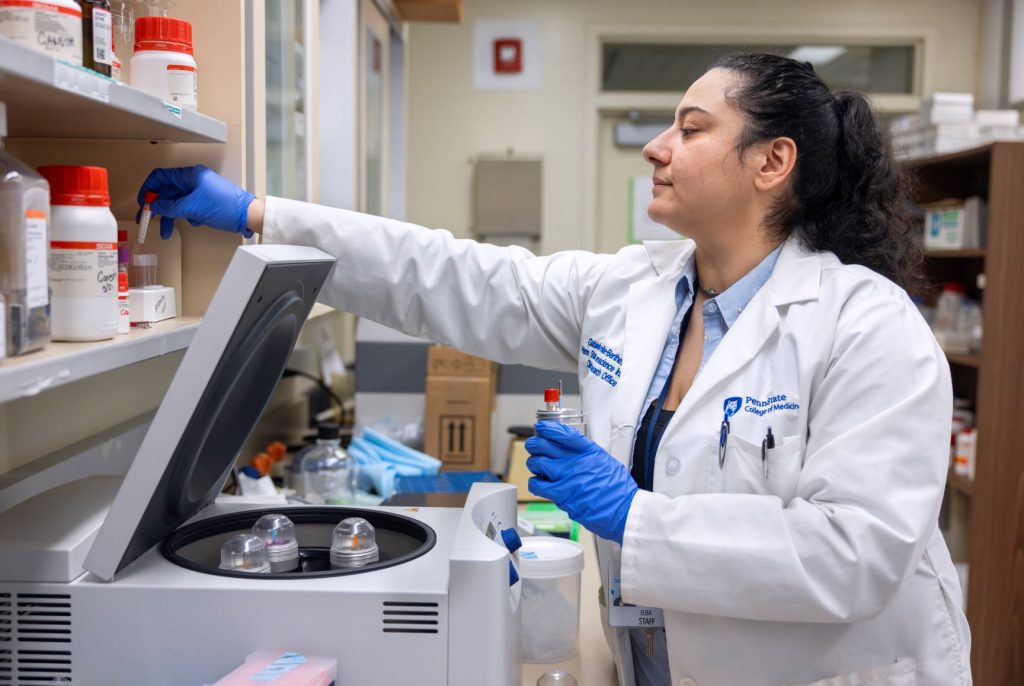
<point>182,85</point>
<point>55,30</point>
<point>83,269</point>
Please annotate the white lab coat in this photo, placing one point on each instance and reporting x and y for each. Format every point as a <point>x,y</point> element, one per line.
<point>833,571</point>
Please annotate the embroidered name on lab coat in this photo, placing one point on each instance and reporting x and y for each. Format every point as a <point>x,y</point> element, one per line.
<point>773,403</point>
<point>602,362</point>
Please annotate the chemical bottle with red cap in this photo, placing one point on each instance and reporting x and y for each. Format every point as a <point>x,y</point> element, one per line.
<point>554,412</point>
<point>162,63</point>
<point>83,254</point>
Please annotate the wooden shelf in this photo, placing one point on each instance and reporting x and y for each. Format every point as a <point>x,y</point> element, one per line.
<point>51,99</point>
<point>964,360</point>
<point>977,155</point>
<point>62,363</point>
<point>996,172</point>
<point>968,253</point>
<point>960,484</point>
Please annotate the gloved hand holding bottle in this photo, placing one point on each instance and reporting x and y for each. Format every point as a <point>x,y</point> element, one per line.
<point>198,195</point>
<point>581,478</point>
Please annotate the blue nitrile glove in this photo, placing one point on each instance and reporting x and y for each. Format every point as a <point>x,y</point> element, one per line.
<point>580,477</point>
<point>199,195</point>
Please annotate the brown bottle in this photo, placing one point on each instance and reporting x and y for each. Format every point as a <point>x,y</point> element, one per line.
<point>97,35</point>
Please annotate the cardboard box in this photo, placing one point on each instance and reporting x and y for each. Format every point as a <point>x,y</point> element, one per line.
<point>460,400</point>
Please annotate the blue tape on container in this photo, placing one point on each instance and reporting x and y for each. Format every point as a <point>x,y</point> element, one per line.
<point>278,668</point>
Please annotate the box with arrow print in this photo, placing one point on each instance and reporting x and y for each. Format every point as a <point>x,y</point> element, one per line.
<point>460,399</point>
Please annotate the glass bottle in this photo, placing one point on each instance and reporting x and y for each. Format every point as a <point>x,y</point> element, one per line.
<point>97,36</point>
<point>24,251</point>
<point>328,474</point>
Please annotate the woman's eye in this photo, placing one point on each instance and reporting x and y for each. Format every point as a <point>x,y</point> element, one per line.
<point>687,132</point>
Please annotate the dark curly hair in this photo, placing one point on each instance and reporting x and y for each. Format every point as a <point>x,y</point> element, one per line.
<point>848,195</point>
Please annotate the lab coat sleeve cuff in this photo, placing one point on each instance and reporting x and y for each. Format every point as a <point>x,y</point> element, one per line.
<point>272,225</point>
<point>640,540</point>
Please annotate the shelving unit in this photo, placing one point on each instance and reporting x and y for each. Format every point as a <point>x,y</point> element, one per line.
<point>986,516</point>
<point>946,254</point>
<point>58,100</point>
<point>973,361</point>
<point>63,363</point>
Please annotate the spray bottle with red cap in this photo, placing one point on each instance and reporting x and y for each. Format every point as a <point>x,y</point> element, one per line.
<point>554,412</point>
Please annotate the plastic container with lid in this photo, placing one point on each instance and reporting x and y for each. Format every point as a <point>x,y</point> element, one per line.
<point>24,241</point>
<point>947,306</point>
<point>83,254</point>
<point>550,568</point>
<point>162,63</point>
<point>53,27</point>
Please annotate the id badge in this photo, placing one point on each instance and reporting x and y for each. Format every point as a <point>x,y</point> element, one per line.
<point>622,614</point>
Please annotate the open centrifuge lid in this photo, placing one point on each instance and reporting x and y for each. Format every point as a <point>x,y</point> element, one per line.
<point>216,397</point>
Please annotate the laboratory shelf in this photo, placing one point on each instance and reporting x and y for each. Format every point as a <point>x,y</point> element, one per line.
<point>964,360</point>
<point>967,253</point>
<point>48,98</point>
<point>62,363</point>
<point>960,484</point>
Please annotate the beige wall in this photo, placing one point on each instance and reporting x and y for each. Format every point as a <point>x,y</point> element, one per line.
<point>450,123</point>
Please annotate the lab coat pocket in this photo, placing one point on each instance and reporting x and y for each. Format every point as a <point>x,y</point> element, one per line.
<point>745,472</point>
<point>900,673</point>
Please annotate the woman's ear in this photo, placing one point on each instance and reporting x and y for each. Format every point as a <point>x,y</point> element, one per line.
<point>776,161</point>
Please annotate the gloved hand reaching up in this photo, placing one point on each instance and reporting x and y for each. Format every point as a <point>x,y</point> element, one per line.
<point>199,195</point>
<point>580,477</point>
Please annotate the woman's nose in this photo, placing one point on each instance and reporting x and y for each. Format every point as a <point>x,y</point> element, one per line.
<point>656,152</point>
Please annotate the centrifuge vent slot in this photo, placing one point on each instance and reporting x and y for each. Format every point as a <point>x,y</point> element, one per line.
<point>410,618</point>
<point>6,667</point>
<point>42,618</point>
<point>6,620</point>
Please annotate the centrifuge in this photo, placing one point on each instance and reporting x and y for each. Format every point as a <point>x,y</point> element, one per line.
<point>157,601</point>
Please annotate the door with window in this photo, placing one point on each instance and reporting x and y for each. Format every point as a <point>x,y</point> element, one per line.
<point>374,68</point>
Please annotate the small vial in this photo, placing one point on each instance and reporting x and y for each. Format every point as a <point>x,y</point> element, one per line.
<point>147,214</point>
<point>278,533</point>
<point>354,544</point>
<point>123,311</point>
<point>245,553</point>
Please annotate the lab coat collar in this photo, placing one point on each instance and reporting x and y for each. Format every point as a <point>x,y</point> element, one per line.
<point>796,277</point>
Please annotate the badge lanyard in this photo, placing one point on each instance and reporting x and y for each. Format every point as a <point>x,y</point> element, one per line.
<point>648,456</point>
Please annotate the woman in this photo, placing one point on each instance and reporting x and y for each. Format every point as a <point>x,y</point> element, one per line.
<point>769,414</point>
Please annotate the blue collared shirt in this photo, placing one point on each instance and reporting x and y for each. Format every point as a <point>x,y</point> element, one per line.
<point>720,313</point>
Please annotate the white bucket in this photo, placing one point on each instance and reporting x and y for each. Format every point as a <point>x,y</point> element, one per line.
<point>550,568</point>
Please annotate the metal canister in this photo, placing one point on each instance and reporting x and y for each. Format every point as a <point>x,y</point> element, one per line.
<point>553,411</point>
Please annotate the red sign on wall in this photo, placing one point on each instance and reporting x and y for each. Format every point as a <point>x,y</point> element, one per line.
<point>508,55</point>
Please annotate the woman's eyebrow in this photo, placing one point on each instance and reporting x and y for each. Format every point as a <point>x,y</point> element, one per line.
<point>692,109</point>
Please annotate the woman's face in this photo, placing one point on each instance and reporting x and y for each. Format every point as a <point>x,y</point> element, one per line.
<point>701,186</point>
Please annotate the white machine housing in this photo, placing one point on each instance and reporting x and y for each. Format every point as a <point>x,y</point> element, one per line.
<point>143,611</point>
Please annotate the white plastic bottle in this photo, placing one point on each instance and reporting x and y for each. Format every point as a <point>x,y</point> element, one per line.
<point>83,254</point>
<point>24,242</point>
<point>53,27</point>
<point>162,63</point>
